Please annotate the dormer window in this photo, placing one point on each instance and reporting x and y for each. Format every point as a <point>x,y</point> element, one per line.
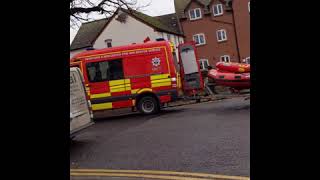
<point>195,14</point>
<point>217,10</point>
<point>108,43</point>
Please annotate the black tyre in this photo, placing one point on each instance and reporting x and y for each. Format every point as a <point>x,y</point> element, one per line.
<point>148,105</point>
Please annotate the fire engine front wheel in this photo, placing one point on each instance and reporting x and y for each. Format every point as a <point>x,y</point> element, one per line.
<point>148,105</point>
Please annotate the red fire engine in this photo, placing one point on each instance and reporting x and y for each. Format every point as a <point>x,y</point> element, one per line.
<point>145,76</point>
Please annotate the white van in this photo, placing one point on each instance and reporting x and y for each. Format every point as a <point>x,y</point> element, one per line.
<point>80,107</point>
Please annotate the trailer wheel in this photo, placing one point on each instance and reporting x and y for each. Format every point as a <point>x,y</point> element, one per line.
<point>148,105</point>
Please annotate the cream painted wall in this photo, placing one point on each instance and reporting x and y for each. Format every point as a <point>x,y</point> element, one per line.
<point>133,31</point>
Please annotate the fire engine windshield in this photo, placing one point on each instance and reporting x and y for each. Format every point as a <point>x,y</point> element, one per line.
<point>189,61</point>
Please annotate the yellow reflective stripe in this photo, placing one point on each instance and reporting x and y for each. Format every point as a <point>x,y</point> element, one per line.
<point>161,80</point>
<point>119,82</point>
<point>178,81</point>
<point>101,95</point>
<point>134,91</point>
<point>88,91</point>
<point>118,89</point>
<point>172,46</point>
<point>115,87</point>
<point>128,87</point>
<point>161,84</point>
<point>159,76</point>
<point>138,91</point>
<point>102,106</point>
<point>120,86</point>
<point>116,82</point>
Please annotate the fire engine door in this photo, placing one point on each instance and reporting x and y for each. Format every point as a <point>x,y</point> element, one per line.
<point>106,78</point>
<point>190,71</point>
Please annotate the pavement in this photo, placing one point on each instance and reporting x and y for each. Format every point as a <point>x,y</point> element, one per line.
<point>210,137</point>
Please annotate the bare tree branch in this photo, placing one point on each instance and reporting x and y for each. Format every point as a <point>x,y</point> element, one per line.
<point>81,9</point>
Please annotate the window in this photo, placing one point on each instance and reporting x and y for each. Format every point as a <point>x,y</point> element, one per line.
<point>225,58</point>
<point>217,10</point>
<point>105,70</point>
<point>169,37</point>
<point>204,63</point>
<point>108,42</point>
<point>195,14</point>
<point>221,35</point>
<point>247,60</point>
<point>249,6</point>
<point>199,39</point>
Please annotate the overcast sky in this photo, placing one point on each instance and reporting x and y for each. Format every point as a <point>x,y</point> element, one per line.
<point>157,7</point>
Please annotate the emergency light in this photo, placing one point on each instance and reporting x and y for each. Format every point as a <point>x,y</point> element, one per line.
<point>90,49</point>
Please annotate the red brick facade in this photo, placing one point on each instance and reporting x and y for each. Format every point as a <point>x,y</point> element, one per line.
<point>209,24</point>
<point>242,21</point>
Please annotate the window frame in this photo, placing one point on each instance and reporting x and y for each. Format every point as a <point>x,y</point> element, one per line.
<point>225,35</point>
<point>201,63</point>
<point>108,78</point>
<point>224,56</point>
<point>246,60</point>
<point>219,13</point>
<point>195,14</point>
<point>204,39</point>
<point>107,41</point>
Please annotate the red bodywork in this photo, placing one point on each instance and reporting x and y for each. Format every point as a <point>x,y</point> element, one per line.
<point>147,67</point>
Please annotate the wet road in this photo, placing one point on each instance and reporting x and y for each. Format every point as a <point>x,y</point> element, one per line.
<point>210,137</point>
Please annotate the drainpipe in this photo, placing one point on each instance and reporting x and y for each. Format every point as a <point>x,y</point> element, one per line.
<point>230,9</point>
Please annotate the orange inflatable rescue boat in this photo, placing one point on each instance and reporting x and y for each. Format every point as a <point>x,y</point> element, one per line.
<point>233,67</point>
<point>233,75</point>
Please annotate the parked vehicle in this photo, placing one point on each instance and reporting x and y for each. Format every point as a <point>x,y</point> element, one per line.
<point>80,107</point>
<point>143,76</point>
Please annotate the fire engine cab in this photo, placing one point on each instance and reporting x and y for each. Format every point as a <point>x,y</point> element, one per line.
<point>143,76</point>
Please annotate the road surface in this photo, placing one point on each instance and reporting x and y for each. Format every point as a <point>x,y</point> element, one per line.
<point>211,137</point>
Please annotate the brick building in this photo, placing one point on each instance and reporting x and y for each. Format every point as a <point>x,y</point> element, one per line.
<point>211,24</point>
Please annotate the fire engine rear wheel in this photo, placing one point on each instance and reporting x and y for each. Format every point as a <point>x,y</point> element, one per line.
<point>148,105</point>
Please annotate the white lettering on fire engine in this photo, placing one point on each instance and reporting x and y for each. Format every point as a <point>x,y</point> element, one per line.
<point>125,53</point>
